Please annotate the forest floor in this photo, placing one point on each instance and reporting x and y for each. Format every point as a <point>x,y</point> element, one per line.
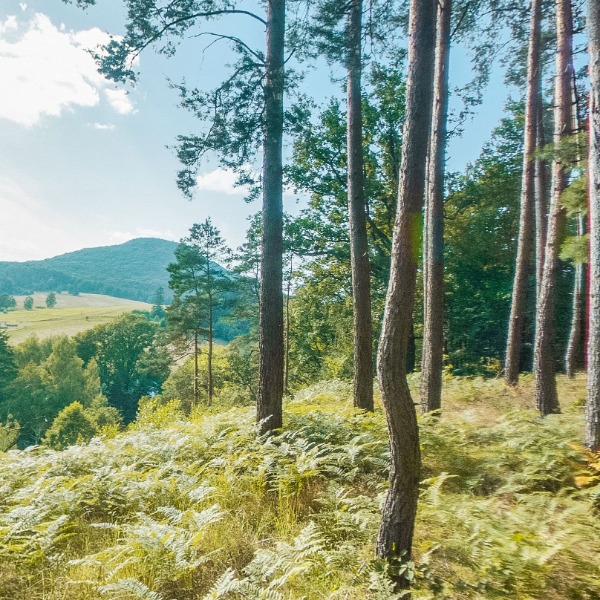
<point>179,508</point>
<point>71,315</point>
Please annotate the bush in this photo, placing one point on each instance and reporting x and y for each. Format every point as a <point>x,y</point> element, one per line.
<point>72,425</point>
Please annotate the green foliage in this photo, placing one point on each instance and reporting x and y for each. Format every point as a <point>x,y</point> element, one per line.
<point>481,213</point>
<point>8,369</point>
<point>51,300</point>
<point>9,434</point>
<point>131,363</point>
<point>180,383</point>
<point>575,248</point>
<point>50,376</point>
<point>174,508</point>
<point>7,302</point>
<point>321,323</point>
<point>28,303</point>
<point>71,426</point>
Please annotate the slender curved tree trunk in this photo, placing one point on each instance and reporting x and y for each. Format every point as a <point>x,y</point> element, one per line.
<point>526,220</point>
<point>573,356</point>
<point>544,366</point>
<point>196,387</point>
<point>433,248</point>
<point>541,202</point>
<point>210,351</point>
<point>359,246</point>
<point>592,411</point>
<point>288,294</point>
<point>400,507</point>
<point>270,390</point>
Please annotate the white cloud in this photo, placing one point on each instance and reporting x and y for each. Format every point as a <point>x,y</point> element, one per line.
<point>9,24</point>
<point>119,100</point>
<point>222,181</point>
<point>46,71</point>
<point>103,126</point>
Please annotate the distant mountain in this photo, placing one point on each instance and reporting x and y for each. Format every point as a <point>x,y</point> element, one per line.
<point>133,270</point>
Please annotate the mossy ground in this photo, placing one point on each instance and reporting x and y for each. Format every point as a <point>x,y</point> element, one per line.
<point>179,509</point>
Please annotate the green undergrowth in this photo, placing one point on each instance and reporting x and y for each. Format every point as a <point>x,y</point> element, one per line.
<point>177,509</point>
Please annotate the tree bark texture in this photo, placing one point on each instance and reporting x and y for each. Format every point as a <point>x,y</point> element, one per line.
<point>270,391</point>
<point>359,245</point>
<point>592,411</point>
<point>196,378</point>
<point>544,359</point>
<point>210,352</point>
<point>574,353</point>
<point>541,202</point>
<point>433,248</point>
<point>288,293</point>
<point>526,218</point>
<point>400,507</point>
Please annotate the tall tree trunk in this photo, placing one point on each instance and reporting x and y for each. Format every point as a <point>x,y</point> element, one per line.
<point>210,322</point>
<point>526,220</point>
<point>573,356</point>
<point>544,366</point>
<point>575,350</point>
<point>541,202</point>
<point>287,326</point>
<point>433,254</point>
<point>210,351</point>
<point>359,246</point>
<point>270,391</point>
<point>196,388</point>
<point>400,507</point>
<point>592,411</point>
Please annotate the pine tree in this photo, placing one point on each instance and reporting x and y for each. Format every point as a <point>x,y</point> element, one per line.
<point>592,411</point>
<point>544,366</point>
<point>395,537</point>
<point>526,220</point>
<point>433,247</point>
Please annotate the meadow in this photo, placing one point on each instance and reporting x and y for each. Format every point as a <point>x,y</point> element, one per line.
<point>71,315</point>
<point>199,507</point>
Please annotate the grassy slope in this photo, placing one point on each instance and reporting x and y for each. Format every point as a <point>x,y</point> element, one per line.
<point>180,509</point>
<point>71,315</point>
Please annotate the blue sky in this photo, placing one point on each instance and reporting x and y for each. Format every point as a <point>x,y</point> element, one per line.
<point>85,163</point>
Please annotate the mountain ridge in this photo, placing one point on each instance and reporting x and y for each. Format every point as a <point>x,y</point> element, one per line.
<point>133,270</point>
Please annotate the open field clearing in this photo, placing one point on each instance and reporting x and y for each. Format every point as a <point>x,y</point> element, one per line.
<point>71,315</point>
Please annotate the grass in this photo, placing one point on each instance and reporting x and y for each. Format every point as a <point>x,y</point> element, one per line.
<point>199,508</point>
<point>71,315</point>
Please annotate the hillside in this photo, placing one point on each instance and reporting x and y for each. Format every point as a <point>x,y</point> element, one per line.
<point>200,509</point>
<point>133,270</point>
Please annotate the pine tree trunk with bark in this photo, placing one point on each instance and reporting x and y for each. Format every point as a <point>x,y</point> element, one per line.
<point>433,248</point>
<point>592,411</point>
<point>210,352</point>
<point>270,391</point>
<point>574,354</point>
<point>526,219</point>
<point>196,377</point>
<point>544,366</point>
<point>541,202</point>
<point>359,246</point>
<point>395,537</point>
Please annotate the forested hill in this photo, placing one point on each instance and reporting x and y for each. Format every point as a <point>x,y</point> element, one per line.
<point>132,270</point>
